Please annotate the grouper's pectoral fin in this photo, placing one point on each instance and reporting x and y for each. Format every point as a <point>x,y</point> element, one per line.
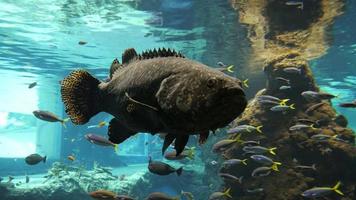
<point>168,139</point>
<point>118,132</point>
<point>180,143</point>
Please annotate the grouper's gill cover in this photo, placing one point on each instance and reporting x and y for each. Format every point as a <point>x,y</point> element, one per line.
<point>156,91</point>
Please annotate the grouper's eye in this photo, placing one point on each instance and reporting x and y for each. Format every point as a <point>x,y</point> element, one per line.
<point>211,83</point>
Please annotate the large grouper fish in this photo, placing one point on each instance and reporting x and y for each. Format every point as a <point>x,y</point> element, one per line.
<point>158,91</point>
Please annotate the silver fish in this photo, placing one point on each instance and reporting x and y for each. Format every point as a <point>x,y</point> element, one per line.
<point>292,70</point>
<point>283,80</point>
<point>299,4</point>
<point>314,107</point>
<point>261,171</point>
<point>299,127</point>
<point>230,177</point>
<point>258,150</point>
<point>264,160</point>
<point>234,162</point>
<point>285,87</point>
<point>268,102</point>
<point>283,109</point>
<point>322,137</point>
<point>302,167</point>
<point>271,98</point>
<point>250,143</point>
<point>245,129</point>
<point>322,191</point>
<point>255,190</point>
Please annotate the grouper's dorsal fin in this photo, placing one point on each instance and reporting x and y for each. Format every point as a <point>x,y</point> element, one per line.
<point>128,55</point>
<point>148,54</point>
<point>115,65</point>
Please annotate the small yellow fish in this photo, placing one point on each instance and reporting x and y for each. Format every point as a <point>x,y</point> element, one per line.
<point>99,125</point>
<point>71,158</point>
<point>102,123</point>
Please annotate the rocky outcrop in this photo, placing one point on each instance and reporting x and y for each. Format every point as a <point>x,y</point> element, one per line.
<point>333,158</point>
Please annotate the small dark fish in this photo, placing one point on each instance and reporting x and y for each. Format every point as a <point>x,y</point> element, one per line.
<point>162,168</point>
<point>303,167</point>
<point>160,196</point>
<point>261,171</point>
<point>258,149</point>
<point>348,104</point>
<point>82,42</point>
<point>27,179</point>
<point>99,140</point>
<point>255,190</point>
<point>220,195</point>
<point>32,85</point>
<point>234,162</point>
<point>292,70</point>
<point>71,158</point>
<point>317,96</point>
<point>49,117</point>
<point>266,161</point>
<point>322,191</point>
<point>34,159</point>
<point>251,143</point>
<point>283,80</point>
<point>314,107</point>
<point>230,177</point>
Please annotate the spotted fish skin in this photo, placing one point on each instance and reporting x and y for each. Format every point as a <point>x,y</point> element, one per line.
<point>156,92</point>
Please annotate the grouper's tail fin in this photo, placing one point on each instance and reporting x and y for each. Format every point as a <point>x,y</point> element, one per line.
<point>80,96</point>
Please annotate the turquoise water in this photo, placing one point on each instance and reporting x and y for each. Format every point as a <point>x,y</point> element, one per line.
<point>39,43</point>
<point>335,72</point>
